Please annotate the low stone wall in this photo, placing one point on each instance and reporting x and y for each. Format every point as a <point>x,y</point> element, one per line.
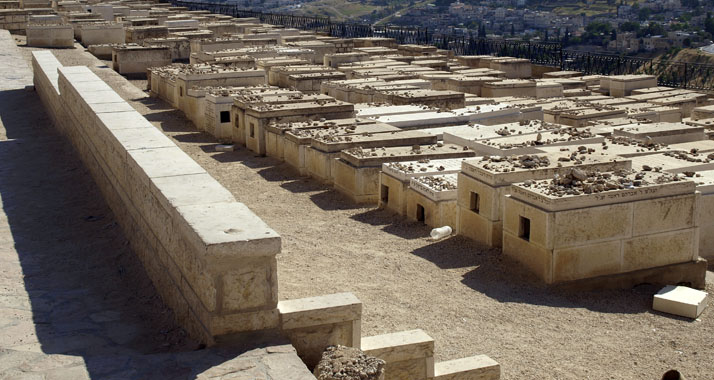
<point>211,259</point>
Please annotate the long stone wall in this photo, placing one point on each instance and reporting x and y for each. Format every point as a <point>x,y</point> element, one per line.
<point>211,258</point>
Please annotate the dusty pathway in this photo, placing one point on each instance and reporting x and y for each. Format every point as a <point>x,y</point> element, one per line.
<point>470,299</point>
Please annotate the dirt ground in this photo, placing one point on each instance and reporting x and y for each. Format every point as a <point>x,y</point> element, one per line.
<point>470,299</point>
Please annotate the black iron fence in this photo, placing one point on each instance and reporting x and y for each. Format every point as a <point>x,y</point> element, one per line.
<point>696,76</point>
<point>670,73</point>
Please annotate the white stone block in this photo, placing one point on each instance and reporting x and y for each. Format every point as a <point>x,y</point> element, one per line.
<point>224,232</point>
<point>321,310</point>
<point>479,367</point>
<point>680,300</point>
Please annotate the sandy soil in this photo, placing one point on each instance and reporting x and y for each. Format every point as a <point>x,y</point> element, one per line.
<point>470,299</point>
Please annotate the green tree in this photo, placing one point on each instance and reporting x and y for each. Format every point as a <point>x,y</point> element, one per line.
<point>443,3</point>
<point>709,24</point>
<point>630,26</point>
<point>566,37</point>
<point>482,31</point>
<point>644,14</point>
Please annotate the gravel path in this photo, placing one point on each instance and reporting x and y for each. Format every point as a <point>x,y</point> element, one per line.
<point>470,299</point>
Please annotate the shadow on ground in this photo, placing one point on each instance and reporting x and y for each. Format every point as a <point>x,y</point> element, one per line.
<point>503,279</point>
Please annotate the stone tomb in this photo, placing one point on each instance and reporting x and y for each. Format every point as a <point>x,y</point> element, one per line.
<point>521,88</point>
<point>264,98</point>
<point>278,75</point>
<point>50,36</point>
<point>548,89</point>
<point>471,60</point>
<point>703,112</point>
<point>102,33</point>
<point>320,48</point>
<point>275,138</point>
<point>643,230</point>
<point>325,147</point>
<point>489,114</point>
<point>484,183</point>
<point>258,116</point>
<point>653,113</point>
<point>395,177</point>
<point>180,47</point>
<point>526,143</point>
<point>464,135</point>
<point>334,60</point>
<point>378,110</point>
<point>309,83</point>
<point>357,170</point>
<point>215,77</point>
<point>240,62</point>
<point>432,200</point>
<point>345,89</point>
<point>674,162</point>
<point>663,133</point>
<point>685,102</point>
<point>705,186</point>
<point>515,68</point>
<point>622,85</point>
<point>298,139</point>
<point>267,64</point>
<point>440,99</point>
<point>135,60</point>
<point>138,34</point>
<point>585,116</point>
<point>216,44</point>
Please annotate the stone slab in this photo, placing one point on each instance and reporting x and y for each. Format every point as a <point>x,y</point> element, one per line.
<point>680,300</point>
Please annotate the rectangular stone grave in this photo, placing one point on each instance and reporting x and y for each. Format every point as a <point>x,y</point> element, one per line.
<point>527,143</point>
<point>357,170</point>
<point>259,116</point>
<point>703,112</point>
<point>663,133</point>
<point>645,227</point>
<point>483,184</point>
<point>179,46</point>
<point>50,36</point>
<point>485,114</point>
<point>138,34</point>
<point>395,177</point>
<point>432,201</point>
<point>325,147</point>
<point>275,138</point>
<point>265,98</point>
<point>585,116</point>
<point>102,33</point>
<point>515,68</point>
<point>622,85</point>
<point>135,60</point>
<point>510,87</point>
